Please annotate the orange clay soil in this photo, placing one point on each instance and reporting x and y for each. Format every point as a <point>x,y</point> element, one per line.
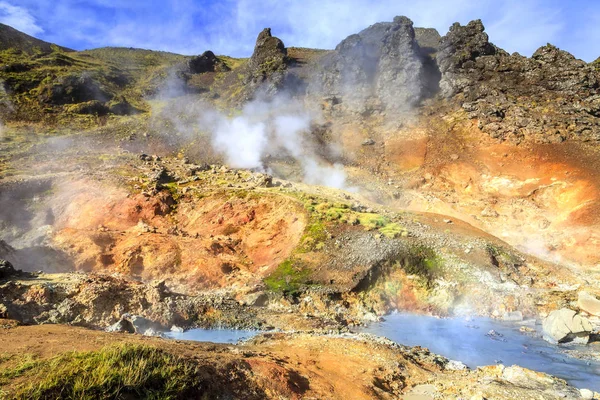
<point>543,199</point>
<point>223,239</point>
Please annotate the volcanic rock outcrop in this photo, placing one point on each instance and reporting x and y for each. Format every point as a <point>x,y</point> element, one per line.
<point>588,303</point>
<point>207,62</point>
<point>267,66</point>
<point>381,68</point>
<point>549,97</point>
<point>566,325</point>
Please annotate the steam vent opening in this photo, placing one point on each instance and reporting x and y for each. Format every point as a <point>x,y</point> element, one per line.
<point>408,212</point>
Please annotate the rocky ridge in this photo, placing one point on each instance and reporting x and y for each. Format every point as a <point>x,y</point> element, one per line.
<point>549,97</point>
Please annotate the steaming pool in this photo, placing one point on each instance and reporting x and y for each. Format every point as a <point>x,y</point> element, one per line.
<point>468,341</point>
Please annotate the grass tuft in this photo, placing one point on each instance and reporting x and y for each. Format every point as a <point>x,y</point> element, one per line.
<point>288,278</point>
<point>115,372</point>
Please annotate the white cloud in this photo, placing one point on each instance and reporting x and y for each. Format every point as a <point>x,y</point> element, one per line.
<point>231,26</point>
<point>524,26</point>
<point>19,18</point>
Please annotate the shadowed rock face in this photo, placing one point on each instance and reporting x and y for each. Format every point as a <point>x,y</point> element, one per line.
<point>428,39</point>
<point>380,68</point>
<point>549,97</point>
<point>75,89</point>
<point>207,62</point>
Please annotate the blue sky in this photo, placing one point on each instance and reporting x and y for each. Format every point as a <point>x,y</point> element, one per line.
<point>231,26</point>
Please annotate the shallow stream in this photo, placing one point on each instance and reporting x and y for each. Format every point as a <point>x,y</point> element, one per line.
<point>471,342</point>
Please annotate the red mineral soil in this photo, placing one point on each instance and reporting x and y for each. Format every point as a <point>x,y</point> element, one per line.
<point>219,239</point>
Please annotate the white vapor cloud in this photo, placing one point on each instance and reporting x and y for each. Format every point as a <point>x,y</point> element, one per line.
<point>19,18</point>
<point>278,127</point>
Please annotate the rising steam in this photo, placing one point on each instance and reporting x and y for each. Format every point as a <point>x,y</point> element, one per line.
<point>264,129</point>
<point>280,128</point>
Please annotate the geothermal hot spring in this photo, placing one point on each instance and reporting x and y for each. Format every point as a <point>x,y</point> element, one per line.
<point>473,341</point>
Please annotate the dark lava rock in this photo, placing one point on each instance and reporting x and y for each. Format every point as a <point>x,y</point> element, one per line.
<point>550,97</point>
<point>459,49</point>
<point>267,68</point>
<point>93,107</point>
<point>207,62</point>
<point>73,89</point>
<point>428,39</point>
<point>270,54</point>
<point>380,68</point>
<point>122,107</point>
<point>6,269</point>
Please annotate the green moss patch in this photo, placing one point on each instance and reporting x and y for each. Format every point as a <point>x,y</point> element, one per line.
<point>424,262</point>
<point>288,278</point>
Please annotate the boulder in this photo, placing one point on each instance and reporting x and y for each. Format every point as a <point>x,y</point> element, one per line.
<point>586,394</point>
<point>144,326</point>
<point>93,107</point>
<point>136,324</point>
<point>588,303</point>
<point>6,269</point>
<point>123,325</point>
<point>207,62</point>
<point>563,326</point>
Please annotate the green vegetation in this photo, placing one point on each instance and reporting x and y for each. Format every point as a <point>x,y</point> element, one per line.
<point>115,372</point>
<point>314,237</point>
<point>44,87</point>
<point>292,275</point>
<point>325,211</point>
<point>135,59</point>
<point>233,63</point>
<point>288,278</point>
<point>393,230</point>
<point>501,256</point>
<point>23,363</point>
<point>424,261</point>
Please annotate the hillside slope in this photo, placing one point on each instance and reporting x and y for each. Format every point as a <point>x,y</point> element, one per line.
<point>11,38</point>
